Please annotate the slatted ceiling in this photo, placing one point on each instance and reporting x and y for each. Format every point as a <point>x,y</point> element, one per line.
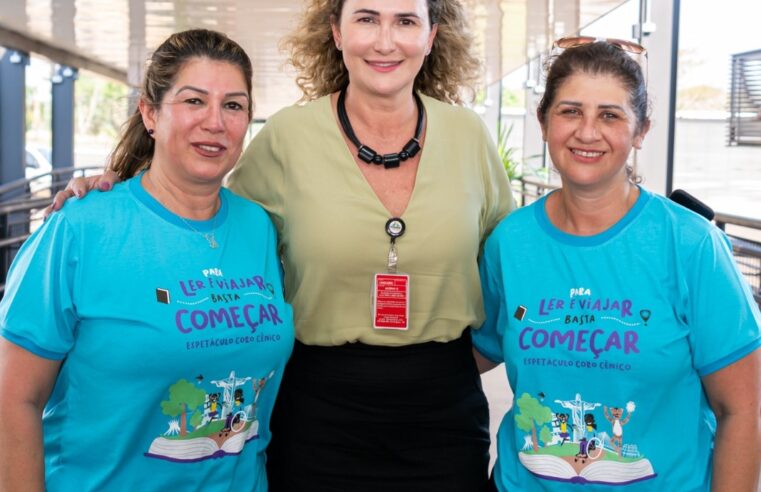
<point>745,99</point>
<point>508,31</point>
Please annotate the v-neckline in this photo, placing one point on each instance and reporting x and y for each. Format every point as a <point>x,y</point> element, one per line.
<point>348,157</point>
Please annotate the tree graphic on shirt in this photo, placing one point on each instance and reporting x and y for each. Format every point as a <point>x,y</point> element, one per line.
<point>531,414</point>
<point>184,397</point>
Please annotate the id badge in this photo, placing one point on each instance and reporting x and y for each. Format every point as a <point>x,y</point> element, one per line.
<point>391,301</point>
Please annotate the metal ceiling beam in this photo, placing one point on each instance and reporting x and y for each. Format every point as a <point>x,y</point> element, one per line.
<point>15,40</point>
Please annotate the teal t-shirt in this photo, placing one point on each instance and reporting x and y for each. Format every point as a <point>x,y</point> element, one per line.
<point>172,351</point>
<point>605,339</point>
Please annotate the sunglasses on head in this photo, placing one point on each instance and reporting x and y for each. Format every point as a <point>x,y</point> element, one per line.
<point>574,41</point>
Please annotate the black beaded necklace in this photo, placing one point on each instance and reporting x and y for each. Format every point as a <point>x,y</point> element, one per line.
<point>367,154</point>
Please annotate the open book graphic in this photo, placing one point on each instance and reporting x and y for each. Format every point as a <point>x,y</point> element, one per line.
<point>202,448</point>
<point>606,472</point>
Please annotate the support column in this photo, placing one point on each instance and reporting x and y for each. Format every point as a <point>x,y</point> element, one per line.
<point>63,14</point>
<point>655,162</point>
<point>493,63</point>
<point>12,148</point>
<point>13,115</point>
<point>137,52</point>
<point>533,143</point>
<point>539,29</point>
<point>63,120</point>
<point>566,18</point>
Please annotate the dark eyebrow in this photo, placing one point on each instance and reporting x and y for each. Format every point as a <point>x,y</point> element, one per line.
<point>205,92</point>
<point>376,13</point>
<point>191,88</point>
<point>577,104</point>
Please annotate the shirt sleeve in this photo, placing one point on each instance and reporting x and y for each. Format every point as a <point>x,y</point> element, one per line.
<point>38,312</point>
<point>724,319</point>
<point>259,175</point>
<point>488,338</point>
<point>499,200</point>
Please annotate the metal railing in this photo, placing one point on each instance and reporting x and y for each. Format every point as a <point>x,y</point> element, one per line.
<point>747,251</point>
<point>530,189</point>
<point>21,205</point>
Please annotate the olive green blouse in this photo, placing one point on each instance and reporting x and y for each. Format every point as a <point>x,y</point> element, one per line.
<point>331,223</point>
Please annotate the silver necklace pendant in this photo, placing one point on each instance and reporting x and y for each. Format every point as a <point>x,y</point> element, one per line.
<point>209,236</point>
<point>213,244</point>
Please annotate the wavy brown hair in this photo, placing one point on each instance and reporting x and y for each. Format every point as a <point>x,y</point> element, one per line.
<point>449,72</point>
<point>134,151</point>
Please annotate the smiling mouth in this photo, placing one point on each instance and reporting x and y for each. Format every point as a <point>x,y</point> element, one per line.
<point>210,148</point>
<point>384,65</point>
<point>587,153</point>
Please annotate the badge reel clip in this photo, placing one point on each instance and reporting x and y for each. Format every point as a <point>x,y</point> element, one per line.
<point>394,228</point>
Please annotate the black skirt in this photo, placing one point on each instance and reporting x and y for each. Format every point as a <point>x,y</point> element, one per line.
<point>359,418</point>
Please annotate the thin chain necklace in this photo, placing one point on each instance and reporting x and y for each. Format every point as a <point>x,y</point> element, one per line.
<point>367,154</point>
<point>208,236</point>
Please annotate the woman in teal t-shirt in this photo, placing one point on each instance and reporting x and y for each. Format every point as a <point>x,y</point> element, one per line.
<point>630,339</point>
<point>123,364</point>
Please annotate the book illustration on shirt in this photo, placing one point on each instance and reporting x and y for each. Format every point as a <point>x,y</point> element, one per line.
<point>566,444</point>
<point>206,423</point>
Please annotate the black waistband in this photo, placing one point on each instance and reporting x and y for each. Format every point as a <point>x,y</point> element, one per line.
<point>359,360</point>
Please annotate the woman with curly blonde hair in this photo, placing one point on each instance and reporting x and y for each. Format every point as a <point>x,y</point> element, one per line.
<point>382,189</point>
<point>380,172</point>
<point>449,69</point>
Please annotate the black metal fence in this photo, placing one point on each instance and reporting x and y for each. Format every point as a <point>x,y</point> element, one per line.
<point>21,205</point>
<point>747,251</point>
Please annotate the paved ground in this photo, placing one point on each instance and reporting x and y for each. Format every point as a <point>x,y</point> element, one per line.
<point>500,398</point>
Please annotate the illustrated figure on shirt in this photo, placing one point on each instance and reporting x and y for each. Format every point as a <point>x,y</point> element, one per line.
<point>213,405</point>
<point>590,425</point>
<point>238,399</point>
<point>238,404</point>
<point>563,425</point>
<point>582,454</point>
<point>258,386</point>
<point>615,418</point>
<point>233,417</point>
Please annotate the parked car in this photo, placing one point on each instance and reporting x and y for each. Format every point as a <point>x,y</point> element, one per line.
<point>37,162</point>
<point>37,168</point>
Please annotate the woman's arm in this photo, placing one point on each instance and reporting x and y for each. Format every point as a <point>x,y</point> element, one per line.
<point>26,381</point>
<point>734,393</point>
<point>483,364</point>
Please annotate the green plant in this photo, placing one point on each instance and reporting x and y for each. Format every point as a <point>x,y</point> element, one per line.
<point>507,153</point>
<point>515,168</point>
<point>518,169</point>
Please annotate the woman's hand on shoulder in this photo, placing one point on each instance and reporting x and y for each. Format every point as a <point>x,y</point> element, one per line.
<point>79,187</point>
